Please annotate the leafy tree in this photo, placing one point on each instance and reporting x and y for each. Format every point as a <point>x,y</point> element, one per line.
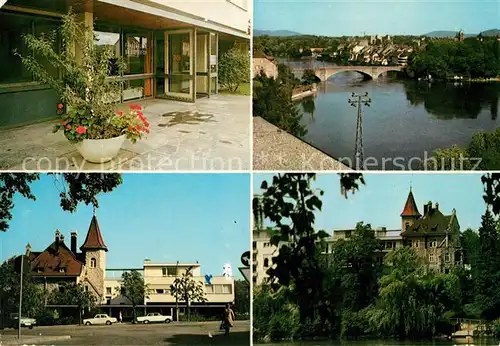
<point>309,77</point>
<point>487,272</point>
<point>353,263</point>
<point>290,203</point>
<point>275,316</point>
<point>491,182</point>
<point>186,289</point>
<point>74,294</point>
<point>411,299</point>
<point>234,69</point>
<point>272,100</point>
<point>76,188</point>
<point>33,295</point>
<point>134,289</point>
<point>242,296</point>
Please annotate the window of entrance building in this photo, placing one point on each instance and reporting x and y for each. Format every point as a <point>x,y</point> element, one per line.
<point>93,263</point>
<point>138,55</point>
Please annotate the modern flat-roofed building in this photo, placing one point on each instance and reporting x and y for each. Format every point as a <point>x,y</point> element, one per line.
<point>219,290</point>
<point>434,236</point>
<point>171,48</point>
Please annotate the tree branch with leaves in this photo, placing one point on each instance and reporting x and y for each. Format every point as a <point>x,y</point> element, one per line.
<point>74,188</point>
<point>186,289</point>
<point>134,289</point>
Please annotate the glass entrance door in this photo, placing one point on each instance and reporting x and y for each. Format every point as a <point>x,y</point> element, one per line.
<point>179,55</point>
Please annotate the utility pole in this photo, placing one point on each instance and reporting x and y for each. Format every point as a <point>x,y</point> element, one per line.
<point>20,299</point>
<point>356,100</point>
<point>176,294</point>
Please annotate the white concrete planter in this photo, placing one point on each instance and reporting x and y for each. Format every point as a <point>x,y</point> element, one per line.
<point>100,150</point>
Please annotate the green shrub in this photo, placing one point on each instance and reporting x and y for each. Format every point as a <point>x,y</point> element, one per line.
<point>234,69</point>
<point>354,324</point>
<point>274,317</point>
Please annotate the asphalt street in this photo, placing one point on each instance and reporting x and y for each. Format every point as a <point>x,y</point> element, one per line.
<point>177,333</point>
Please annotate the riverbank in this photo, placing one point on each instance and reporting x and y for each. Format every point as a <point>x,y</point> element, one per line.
<point>303,92</point>
<point>275,149</point>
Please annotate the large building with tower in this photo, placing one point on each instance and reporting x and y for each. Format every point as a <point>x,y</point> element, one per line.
<point>434,235</point>
<point>86,265</point>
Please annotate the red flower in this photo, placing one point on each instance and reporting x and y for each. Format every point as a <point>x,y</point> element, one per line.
<point>60,106</point>
<point>130,128</point>
<point>146,124</point>
<point>135,106</point>
<point>68,127</point>
<point>81,130</point>
<point>147,130</point>
<point>120,113</point>
<point>63,123</point>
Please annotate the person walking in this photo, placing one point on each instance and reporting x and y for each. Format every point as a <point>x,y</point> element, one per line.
<point>120,317</point>
<point>228,319</point>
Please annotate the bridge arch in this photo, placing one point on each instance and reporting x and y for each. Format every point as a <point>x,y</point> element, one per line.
<point>325,75</point>
<point>395,69</point>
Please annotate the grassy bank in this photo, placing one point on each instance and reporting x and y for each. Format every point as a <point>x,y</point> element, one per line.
<point>243,89</point>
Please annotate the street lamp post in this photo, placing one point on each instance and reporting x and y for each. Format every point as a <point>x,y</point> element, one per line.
<point>20,299</point>
<point>176,294</point>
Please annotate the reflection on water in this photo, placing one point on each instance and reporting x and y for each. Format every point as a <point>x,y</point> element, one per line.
<point>476,342</point>
<point>407,119</point>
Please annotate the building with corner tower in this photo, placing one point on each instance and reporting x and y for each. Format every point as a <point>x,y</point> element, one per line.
<point>434,235</point>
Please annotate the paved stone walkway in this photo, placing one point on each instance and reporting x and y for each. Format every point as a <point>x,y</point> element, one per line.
<point>212,134</point>
<point>275,149</point>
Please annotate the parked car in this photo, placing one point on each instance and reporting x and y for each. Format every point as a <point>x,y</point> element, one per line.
<point>99,319</point>
<point>154,317</point>
<point>25,322</point>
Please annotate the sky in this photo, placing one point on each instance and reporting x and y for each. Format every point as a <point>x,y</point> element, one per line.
<point>370,17</point>
<point>162,217</point>
<point>381,200</point>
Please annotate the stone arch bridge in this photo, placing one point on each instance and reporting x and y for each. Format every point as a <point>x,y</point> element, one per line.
<point>372,72</point>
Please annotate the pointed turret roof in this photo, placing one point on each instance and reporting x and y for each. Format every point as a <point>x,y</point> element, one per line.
<point>94,240</point>
<point>410,208</point>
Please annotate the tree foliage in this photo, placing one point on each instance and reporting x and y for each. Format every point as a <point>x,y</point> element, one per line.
<point>411,299</point>
<point>234,69</point>
<point>134,289</point>
<point>73,294</point>
<point>290,203</point>
<point>75,188</point>
<point>471,57</point>
<point>33,295</point>
<point>186,289</point>
<point>242,296</point>
<point>481,149</point>
<point>272,100</point>
<point>309,77</point>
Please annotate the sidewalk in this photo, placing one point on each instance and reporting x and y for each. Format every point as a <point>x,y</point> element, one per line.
<point>212,134</point>
<point>30,339</point>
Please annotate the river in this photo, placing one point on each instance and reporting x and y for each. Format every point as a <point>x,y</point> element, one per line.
<point>476,342</point>
<point>406,119</point>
